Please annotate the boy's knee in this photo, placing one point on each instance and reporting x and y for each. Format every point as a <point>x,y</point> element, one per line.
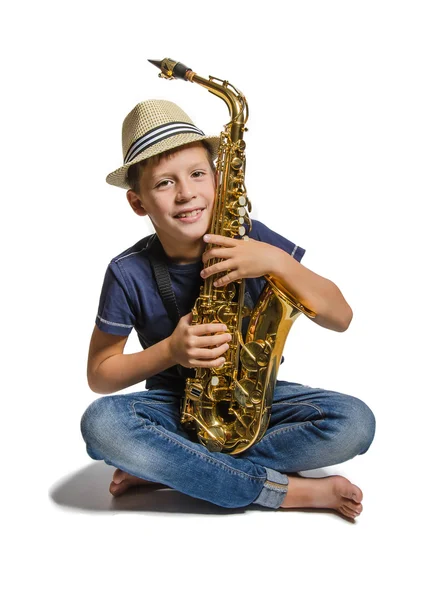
<point>353,430</point>
<point>98,423</point>
<point>362,425</point>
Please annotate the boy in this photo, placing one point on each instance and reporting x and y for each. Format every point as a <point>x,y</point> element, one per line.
<point>170,176</point>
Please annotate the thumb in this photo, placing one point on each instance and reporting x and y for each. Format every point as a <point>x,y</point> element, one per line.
<point>187,318</point>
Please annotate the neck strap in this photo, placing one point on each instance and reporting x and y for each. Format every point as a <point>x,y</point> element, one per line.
<point>159,265</point>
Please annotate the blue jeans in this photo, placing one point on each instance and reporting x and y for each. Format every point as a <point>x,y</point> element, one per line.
<point>140,433</point>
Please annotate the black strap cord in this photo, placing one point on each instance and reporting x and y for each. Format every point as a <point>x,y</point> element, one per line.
<point>159,265</point>
<point>157,258</point>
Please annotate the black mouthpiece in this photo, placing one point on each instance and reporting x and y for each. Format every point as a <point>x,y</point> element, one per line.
<point>170,68</point>
<point>156,63</point>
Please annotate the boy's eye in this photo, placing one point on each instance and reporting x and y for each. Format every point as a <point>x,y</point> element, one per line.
<point>197,173</point>
<point>163,183</point>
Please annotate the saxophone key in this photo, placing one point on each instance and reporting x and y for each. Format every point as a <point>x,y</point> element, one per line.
<point>253,355</point>
<point>235,209</point>
<point>213,438</point>
<point>225,315</point>
<point>237,163</point>
<point>244,391</point>
<point>194,388</point>
<point>218,391</point>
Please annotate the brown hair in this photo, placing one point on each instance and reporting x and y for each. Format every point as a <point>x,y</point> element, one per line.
<point>135,171</point>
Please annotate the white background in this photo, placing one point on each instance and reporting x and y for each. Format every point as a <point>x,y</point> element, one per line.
<point>340,155</point>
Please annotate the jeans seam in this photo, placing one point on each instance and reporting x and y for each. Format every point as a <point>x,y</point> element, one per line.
<point>150,403</point>
<point>319,410</point>
<point>287,428</point>
<point>276,487</point>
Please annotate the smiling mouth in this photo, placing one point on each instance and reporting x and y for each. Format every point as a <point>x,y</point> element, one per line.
<point>190,214</point>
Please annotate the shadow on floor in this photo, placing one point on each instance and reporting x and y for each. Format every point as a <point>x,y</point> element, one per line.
<point>88,490</point>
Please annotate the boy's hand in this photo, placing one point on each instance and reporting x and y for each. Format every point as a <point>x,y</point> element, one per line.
<point>244,258</point>
<point>195,345</point>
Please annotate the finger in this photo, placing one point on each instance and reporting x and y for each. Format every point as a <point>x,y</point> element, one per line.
<point>226,279</point>
<point>207,329</point>
<point>221,240</point>
<point>217,252</point>
<point>206,341</point>
<point>207,353</point>
<point>207,364</point>
<point>219,267</point>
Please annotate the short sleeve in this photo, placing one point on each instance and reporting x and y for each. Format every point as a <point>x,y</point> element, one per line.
<point>115,313</point>
<point>264,234</point>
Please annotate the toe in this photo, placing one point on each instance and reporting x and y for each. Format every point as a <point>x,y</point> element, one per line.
<point>353,506</point>
<point>348,512</point>
<point>118,476</point>
<point>357,496</point>
<point>353,493</point>
<point>116,489</point>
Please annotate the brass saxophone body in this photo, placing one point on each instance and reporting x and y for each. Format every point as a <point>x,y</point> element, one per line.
<point>229,406</point>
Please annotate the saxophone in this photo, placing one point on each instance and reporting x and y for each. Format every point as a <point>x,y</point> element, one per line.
<point>229,406</point>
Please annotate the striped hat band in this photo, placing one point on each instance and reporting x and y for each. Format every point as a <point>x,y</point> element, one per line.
<point>158,134</point>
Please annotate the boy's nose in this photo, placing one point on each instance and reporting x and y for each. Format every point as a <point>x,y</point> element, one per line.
<point>185,193</point>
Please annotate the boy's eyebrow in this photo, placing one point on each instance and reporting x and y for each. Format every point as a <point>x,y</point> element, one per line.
<point>168,172</point>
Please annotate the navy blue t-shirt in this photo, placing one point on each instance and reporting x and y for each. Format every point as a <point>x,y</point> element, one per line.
<point>130,298</point>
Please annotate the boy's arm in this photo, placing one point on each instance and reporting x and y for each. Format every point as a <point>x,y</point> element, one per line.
<point>254,259</point>
<point>109,370</point>
<point>313,291</point>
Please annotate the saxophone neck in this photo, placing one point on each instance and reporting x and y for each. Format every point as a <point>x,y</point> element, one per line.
<point>235,101</point>
<point>233,98</point>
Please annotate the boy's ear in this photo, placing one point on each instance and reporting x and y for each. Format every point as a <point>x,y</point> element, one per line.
<point>135,203</point>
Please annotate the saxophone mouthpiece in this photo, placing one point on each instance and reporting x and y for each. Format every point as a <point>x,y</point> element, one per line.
<point>171,69</point>
<point>156,63</point>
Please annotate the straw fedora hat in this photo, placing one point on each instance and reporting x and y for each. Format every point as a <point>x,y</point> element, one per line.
<point>152,127</point>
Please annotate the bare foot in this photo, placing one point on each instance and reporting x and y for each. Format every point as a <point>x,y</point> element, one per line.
<point>122,481</point>
<point>334,492</point>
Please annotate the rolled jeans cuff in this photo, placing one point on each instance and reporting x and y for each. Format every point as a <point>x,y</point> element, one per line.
<point>274,489</point>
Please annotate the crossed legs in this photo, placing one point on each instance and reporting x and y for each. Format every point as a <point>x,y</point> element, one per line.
<point>310,428</point>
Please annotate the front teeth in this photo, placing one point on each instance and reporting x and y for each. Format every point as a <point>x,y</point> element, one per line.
<point>189,214</point>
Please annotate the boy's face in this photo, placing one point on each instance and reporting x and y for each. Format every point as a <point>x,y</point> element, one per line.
<point>177,194</point>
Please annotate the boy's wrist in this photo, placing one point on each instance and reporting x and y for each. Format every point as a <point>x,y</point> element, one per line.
<point>280,264</point>
<point>166,352</point>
